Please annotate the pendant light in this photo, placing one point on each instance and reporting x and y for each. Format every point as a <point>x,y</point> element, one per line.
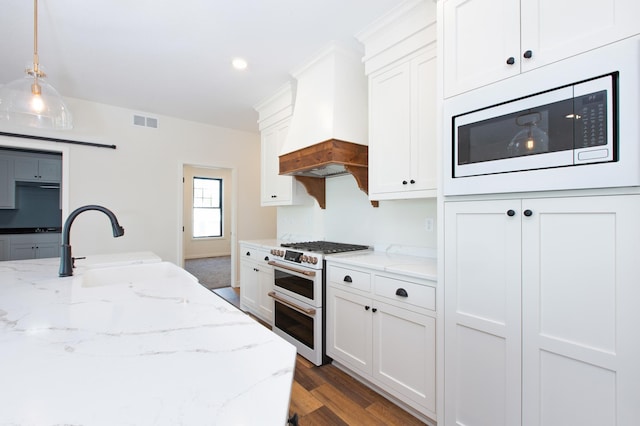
<point>31,101</point>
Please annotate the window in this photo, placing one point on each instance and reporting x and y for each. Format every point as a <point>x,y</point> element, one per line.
<point>207,207</point>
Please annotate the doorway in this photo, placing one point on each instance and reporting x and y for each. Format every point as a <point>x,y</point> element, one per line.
<point>211,259</point>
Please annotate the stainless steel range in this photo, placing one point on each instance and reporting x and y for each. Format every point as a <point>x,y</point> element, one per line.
<point>299,294</point>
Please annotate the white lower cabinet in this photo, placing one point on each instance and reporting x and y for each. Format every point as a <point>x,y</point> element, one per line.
<point>34,246</point>
<point>384,338</point>
<point>256,281</point>
<point>540,311</point>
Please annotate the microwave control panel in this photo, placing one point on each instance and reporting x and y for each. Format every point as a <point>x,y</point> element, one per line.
<point>591,120</point>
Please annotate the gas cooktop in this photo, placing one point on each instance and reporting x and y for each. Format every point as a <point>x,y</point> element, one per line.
<point>324,247</point>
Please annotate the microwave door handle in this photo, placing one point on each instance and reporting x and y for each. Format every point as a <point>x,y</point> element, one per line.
<point>306,311</point>
<point>291,268</point>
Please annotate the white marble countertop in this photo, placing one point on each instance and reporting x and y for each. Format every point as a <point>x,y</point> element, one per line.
<point>162,351</point>
<point>413,266</point>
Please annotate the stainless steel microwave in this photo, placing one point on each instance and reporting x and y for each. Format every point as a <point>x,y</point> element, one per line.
<point>573,124</point>
<point>567,126</point>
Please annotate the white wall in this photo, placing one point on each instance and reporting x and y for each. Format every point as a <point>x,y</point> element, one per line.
<point>141,181</point>
<point>196,248</point>
<point>350,218</point>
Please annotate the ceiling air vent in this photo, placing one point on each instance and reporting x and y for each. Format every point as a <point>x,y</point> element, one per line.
<point>139,120</point>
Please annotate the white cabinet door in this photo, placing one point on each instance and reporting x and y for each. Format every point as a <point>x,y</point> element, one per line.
<point>404,353</point>
<point>390,129</point>
<point>482,292</point>
<point>26,169</point>
<point>50,170</point>
<point>4,248</point>
<point>276,190</point>
<point>249,286</point>
<point>402,146</point>
<point>580,315</point>
<point>7,184</point>
<point>424,151</point>
<point>265,285</point>
<point>553,30</point>
<point>349,329</point>
<point>479,38</point>
<point>46,250</point>
<point>22,251</point>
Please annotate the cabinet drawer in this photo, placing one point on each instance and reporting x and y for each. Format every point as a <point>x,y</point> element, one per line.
<point>419,295</point>
<point>349,278</point>
<point>251,253</point>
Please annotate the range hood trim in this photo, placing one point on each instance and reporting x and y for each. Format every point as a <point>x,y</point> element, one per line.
<point>307,165</point>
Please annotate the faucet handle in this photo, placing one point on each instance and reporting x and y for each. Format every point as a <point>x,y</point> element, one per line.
<point>73,260</point>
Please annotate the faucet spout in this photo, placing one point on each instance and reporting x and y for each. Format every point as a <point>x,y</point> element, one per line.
<point>66,260</point>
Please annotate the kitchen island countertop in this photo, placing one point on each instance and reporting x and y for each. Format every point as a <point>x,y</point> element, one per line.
<point>155,351</point>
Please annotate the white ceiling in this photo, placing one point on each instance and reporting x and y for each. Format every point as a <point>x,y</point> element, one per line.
<point>172,57</point>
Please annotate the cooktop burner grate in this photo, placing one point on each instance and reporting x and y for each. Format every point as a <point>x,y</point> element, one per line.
<point>325,247</point>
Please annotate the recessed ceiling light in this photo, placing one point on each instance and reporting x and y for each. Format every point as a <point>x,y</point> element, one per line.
<point>239,63</point>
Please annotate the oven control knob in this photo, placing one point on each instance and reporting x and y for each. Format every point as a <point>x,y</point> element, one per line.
<point>280,253</point>
<point>314,260</point>
<point>304,258</point>
<point>273,251</point>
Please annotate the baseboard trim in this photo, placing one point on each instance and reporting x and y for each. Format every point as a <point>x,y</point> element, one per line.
<point>205,255</point>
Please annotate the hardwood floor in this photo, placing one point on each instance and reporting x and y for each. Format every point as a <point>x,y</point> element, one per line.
<point>325,395</point>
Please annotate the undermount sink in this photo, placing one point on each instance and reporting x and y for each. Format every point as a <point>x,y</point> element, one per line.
<point>143,272</point>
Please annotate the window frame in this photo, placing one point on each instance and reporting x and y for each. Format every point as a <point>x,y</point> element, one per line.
<point>194,208</point>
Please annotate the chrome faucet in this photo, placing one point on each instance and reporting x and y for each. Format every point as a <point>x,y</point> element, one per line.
<point>66,260</point>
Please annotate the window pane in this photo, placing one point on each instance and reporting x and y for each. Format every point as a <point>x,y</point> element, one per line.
<point>207,207</point>
<point>207,222</point>
<point>206,192</point>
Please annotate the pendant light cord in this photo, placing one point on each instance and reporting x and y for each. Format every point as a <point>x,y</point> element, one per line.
<point>36,65</point>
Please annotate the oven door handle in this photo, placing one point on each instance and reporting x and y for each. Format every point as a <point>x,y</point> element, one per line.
<point>291,268</point>
<point>308,311</point>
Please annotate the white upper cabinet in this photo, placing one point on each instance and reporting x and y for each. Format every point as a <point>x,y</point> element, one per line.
<point>402,148</point>
<point>400,60</point>
<point>274,119</point>
<point>490,40</point>
<point>7,184</point>
<point>33,169</point>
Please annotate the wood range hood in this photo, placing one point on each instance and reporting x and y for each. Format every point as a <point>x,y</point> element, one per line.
<point>313,164</point>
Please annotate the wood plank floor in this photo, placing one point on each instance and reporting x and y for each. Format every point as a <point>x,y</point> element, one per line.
<point>325,395</point>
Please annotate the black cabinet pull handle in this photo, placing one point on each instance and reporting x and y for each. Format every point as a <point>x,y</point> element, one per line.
<point>402,292</point>
<point>266,258</point>
<point>511,212</point>
<point>347,279</point>
<point>248,253</point>
<point>528,54</point>
<point>366,308</point>
<point>412,181</point>
<point>374,310</point>
<point>528,213</point>
<point>404,182</point>
<point>511,60</point>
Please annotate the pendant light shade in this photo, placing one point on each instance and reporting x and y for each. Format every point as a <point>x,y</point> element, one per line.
<point>31,101</point>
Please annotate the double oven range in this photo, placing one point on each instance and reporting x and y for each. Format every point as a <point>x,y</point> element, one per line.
<point>299,294</point>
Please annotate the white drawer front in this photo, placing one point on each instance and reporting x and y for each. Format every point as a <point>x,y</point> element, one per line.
<point>419,295</point>
<point>349,278</point>
<point>257,255</point>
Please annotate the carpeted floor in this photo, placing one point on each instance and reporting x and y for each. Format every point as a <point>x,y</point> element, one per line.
<point>212,272</point>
